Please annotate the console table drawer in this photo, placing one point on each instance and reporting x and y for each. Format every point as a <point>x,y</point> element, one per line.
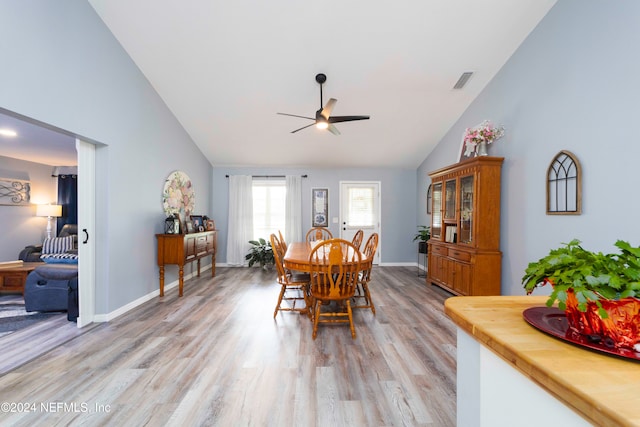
<point>201,244</point>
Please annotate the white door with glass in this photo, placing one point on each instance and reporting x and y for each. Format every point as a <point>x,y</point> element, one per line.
<point>360,210</point>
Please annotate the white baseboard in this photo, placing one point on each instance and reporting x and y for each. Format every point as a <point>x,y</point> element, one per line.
<point>101,318</point>
<point>398,264</point>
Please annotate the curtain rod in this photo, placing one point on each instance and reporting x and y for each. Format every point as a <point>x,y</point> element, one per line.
<point>270,176</point>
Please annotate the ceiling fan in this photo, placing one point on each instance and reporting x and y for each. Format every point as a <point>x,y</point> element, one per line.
<point>324,119</point>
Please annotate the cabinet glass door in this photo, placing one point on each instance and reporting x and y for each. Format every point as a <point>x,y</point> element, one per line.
<point>450,200</point>
<point>466,209</point>
<point>436,211</point>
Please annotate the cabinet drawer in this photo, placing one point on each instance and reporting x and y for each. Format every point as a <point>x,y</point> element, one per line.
<point>459,255</point>
<point>201,244</point>
<point>439,250</point>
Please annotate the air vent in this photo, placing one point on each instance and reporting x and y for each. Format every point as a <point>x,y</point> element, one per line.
<point>463,80</point>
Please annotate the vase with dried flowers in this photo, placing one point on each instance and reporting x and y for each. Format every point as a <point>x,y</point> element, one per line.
<point>476,139</point>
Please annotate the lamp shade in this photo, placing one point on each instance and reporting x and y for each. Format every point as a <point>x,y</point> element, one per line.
<point>49,210</point>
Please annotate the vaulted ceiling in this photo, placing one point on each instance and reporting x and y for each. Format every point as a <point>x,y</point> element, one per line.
<point>226,68</point>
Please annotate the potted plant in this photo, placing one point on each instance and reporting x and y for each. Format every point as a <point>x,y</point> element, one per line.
<point>597,291</point>
<point>261,253</point>
<point>424,234</point>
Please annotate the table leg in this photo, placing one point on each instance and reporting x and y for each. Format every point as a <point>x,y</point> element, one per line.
<point>213,266</point>
<point>181,281</point>
<point>162,280</point>
<point>198,267</point>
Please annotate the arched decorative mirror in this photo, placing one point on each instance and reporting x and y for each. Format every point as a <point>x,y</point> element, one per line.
<point>564,185</point>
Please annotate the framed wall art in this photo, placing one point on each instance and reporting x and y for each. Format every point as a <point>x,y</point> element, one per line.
<point>320,207</point>
<point>15,192</point>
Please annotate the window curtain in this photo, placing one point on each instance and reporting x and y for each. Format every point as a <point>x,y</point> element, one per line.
<point>293,213</point>
<point>68,198</point>
<point>240,219</point>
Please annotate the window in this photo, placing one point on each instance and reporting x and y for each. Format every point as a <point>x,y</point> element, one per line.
<point>269,201</point>
<point>360,207</point>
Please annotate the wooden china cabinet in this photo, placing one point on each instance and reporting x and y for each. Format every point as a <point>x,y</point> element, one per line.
<point>464,249</point>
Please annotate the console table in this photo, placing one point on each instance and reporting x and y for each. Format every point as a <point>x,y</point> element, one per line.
<point>180,249</point>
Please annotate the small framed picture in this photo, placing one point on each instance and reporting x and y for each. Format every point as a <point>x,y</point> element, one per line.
<point>320,207</point>
<point>209,225</point>
<point>189,226</point>
<point>197,222</point>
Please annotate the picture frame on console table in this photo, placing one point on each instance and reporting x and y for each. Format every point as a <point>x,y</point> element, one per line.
<point>197,222</point>
<point>209,225</point>
<point>188,226</point>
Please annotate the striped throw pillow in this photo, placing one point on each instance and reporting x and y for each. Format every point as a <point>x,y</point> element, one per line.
<point>57,245</point>
<point>59,258</point>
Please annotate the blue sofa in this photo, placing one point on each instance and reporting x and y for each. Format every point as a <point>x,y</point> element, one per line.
<point>32,253</point>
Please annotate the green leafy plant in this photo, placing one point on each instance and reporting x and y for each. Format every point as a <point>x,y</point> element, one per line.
<point>424,233</point>
<point>261,253</point>
<point>592,276</point>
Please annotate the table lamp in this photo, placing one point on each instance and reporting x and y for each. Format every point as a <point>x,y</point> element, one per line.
<point>50,211</point>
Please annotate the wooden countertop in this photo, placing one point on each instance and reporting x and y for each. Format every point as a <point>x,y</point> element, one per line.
<point>604,389</point>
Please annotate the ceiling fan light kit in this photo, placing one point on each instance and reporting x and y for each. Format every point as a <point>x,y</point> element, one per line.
<point>324,119</point>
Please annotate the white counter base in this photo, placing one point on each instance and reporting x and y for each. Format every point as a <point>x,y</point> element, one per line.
<point>492,393</point>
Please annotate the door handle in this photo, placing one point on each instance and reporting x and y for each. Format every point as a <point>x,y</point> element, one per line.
<point>86,236</point>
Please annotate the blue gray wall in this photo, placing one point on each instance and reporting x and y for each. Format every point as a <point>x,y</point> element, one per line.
<point>62,66</point>
<point>398,204</point>
<point>572,85</point>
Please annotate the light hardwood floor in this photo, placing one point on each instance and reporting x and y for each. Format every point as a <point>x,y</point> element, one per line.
<point>216,357</point>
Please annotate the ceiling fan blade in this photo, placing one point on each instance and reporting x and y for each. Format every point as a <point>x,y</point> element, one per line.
<point>303,127</point>
<point>326,111</point>
<point>334,130</point>
<point>337,119</point>
<point>295,115</point>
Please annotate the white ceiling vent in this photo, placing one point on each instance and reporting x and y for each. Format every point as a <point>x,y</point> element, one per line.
<point>463,80</point>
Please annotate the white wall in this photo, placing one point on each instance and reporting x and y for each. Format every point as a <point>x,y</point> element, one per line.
<point>572,85</point>
<point>62,66</point>
<point>21,226</point>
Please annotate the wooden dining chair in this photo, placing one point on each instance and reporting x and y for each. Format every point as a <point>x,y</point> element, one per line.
<point>294,287</point>
<point>283,243</point>
<point>357,239</point>
<point>362,299</point>
<point>334,267</point>
<point>318,233</point>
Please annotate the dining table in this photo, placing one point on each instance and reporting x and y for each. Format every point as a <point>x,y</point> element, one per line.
<point>296,257</point>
